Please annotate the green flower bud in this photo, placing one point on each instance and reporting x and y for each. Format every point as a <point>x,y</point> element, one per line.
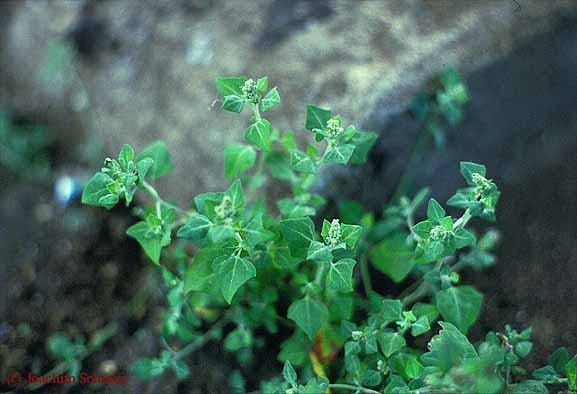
<point>225,211</point>
<point>358,336</point>
<point>250,91</point>
<point>334,236</point>
<point>439,233</point>
<point>334,128</point>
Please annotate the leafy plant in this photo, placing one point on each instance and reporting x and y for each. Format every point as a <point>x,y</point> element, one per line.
<point>70,353</point>
<point>24,149</point>
<point>258,264</point>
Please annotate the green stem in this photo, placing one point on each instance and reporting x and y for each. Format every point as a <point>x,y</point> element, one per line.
<point>322,267</point>
<point>350,387</point>
<point>200,342</point>
<point>410,225</point>
<point>407,175</point>
<point>160,202</point>
<point>463,220</point>
<point>366,276</point>
<point>256,112</point>
<point>57,370</point>
<point>417,294</point>
<point>109,331</point>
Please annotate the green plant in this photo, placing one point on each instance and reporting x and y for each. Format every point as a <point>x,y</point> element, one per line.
<point>70,354</point>
<point>24,149</point>
<point>257,266</point>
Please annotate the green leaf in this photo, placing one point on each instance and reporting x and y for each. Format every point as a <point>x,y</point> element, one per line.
<point>279,166</point>
<point>363,143</point>
<point>464,238</point>
<point>423,309</point>
<point>259,134</point>
<point>421,326</point>
<point>299,233</point>
<point>180,369</point>
<point>295,349</point>
<point>460,306</point>
<point>468,169</point>
<point>371,378</point>
<point>350,235</point>
<point>238,339</point>
<point>571,372</point>
<point>393,257</point>
<point>434,250</point>
<point>272,99</point>
<point>339,276</point>
<point>96,193</point>
<point>448,349</point>
<point>558,359</point>
<point>143,166</point>
<point>151,243</point>
<point>220,232</point>
<point>254,233</point>
<point>233,273</point>
<point>158,152</point>
<point>315,386</point>
<point>236,194</point>
<point>199,275</point>
<point>529,387</point>
<point>350,211</point>
<point>61,347</point>
<point>233,103</point>
<point>317,118</point>
<point>413,368</point>
<point>546,374</point>
<point>238,159</point>
<point>195,229</point>
<point>392,310</point>
<point>147,368</point>
<point>302,163</point>
<point>289,374</point>
<point>422,229</point>
<point>391,342</point>
<point>262,84</point>
<point>280,255</point>
<point>201,200</point>
<point>523,348</point>
<point>230,86</point>
<point>340,154</point>
<point>318,251</point>
<point>309,315</point>
<point>126,155</point>
<point>435,211</point>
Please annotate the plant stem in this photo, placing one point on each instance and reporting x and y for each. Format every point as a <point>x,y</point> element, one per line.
<point>365,275</point>
<point>350,387</point>
<point>405,178</point>
<point>200,342</point>
<point>410,225</point>
<point>256,112</point>
<point>322,266</point>
<point>417,294</point>
<point>109,330</point>
<point>159,201</point>
<point>57,370</point>
<point>463,220</point>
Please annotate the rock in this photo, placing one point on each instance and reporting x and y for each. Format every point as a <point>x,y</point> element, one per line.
<point>147,68</point>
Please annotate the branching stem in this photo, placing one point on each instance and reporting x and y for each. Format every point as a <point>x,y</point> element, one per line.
<point>350,387</point>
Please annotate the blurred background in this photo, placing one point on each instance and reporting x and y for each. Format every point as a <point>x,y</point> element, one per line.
<point>80,78</point>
